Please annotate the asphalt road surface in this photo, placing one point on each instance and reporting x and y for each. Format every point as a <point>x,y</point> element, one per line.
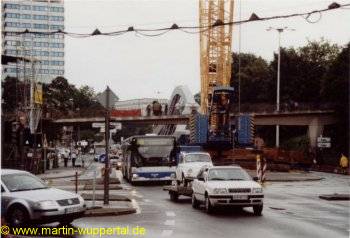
<point>290,210</point>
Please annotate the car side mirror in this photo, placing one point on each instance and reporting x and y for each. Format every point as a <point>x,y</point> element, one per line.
<point>255,178</point>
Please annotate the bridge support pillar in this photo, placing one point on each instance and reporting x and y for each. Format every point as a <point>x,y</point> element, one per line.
<point>315,130</point>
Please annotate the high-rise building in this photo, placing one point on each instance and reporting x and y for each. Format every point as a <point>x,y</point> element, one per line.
<point>45,52</point>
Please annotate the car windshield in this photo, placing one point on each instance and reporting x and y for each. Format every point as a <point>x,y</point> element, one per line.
<point>197,158</point>
<point>228,174</point>
<point>22,182</point>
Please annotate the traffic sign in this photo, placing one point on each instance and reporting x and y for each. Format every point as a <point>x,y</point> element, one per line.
<point>98,124</point>
<point>324,144</point>
<point>102,98</point>
<point>117,125</point>
<point>321,139</point>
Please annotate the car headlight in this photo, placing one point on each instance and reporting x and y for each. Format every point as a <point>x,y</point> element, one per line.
<point>46,204</point>
<point>81,200</point>
<point>135,175</point>
<point>220,190</point>
<point>257,190</point>
<point>119,163</point>
<point>189,171</point>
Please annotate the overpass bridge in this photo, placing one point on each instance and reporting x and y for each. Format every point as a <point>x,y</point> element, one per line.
<point>314,119</point>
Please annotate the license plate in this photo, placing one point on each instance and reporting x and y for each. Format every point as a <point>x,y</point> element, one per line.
<point>240,197</point>
<point>72,210</point>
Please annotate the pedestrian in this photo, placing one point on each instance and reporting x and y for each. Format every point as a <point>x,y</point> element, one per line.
<point>74,157</point>
<point>65,159</point>
<point>166,109</point>
<point>344,164</point>
<point>148,110</point>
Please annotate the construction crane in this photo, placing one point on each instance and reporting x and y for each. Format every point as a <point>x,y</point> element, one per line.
<point>215,47</point>
<point>215,67</point>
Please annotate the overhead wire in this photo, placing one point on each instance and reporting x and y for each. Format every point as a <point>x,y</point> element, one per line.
<point>253,18</point>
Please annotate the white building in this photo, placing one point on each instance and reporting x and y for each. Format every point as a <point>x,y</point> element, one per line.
<point>139,104</point>
<point>46,50</point>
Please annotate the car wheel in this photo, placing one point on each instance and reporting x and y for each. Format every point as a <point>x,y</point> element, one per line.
<point>18,216</point>
<point>257,210</point>
<point>66,222</point>
<point>195,202</point>
<point>208,207</point>
<point>183,180</point>
<point>173,196</point>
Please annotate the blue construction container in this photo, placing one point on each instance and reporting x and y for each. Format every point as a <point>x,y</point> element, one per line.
<point>201,129</point>
<point>245,130</point>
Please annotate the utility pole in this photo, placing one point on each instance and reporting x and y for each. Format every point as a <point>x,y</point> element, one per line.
<point>106,177</point>
<point>279,30</point>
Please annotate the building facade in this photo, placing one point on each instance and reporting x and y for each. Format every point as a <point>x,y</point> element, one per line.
<point>45,52</point>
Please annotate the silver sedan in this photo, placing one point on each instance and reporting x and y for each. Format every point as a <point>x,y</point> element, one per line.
<point>27,199</point>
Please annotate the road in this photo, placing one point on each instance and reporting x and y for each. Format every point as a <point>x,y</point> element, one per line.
<point>290,210</point>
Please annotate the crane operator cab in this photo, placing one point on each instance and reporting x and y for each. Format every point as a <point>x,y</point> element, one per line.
<point>219,119</point>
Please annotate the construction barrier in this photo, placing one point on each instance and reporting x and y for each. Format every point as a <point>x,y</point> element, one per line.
<point>261,166</point>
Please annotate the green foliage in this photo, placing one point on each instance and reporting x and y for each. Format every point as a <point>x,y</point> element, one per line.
<point>62,96</point>
<point>10,88</point>
<point>300,143</point>
<point>255,78</point>
<point>303,70</point>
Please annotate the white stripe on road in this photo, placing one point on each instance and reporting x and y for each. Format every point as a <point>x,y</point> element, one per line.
<point>170,213</point>
<point>167,233</point>
<point>136,206</point>
<point>169,223</point>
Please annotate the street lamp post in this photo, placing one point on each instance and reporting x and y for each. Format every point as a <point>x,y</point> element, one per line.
<point>279,30</point>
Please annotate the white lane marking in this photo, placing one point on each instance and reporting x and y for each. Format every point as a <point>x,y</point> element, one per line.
<point>170,213</point>
<point>167,232</point>
<point>169,223</point>
<point>136,206</point>
<point>147,200</point>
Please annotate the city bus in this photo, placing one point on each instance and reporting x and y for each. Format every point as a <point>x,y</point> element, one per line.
<point>149,158</point>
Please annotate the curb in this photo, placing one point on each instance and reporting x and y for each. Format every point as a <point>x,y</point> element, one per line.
<point>294,180</point>
<point>67,176</point>
<point>97,213</point>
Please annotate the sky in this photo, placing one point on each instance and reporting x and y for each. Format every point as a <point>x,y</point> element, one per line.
<point>135,66</point>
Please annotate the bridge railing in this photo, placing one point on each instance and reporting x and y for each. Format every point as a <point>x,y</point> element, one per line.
<point>284,107</point>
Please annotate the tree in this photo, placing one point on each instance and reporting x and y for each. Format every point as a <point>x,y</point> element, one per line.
<point>335,88</point>
<point>303,70</point>
<point>10,93</point>
<point>255,78</point>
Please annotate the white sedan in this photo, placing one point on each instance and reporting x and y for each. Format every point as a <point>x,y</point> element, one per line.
<point>226,186</point>
<point>190,164</point>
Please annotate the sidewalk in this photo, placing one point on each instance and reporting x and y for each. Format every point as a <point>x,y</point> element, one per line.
<point>63,172</point>
<point>292,176</point>
<point>119,202</point>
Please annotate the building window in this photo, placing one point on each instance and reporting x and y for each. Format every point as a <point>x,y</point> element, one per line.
<point>26,7</point>
<point>39,8</point>
<point>26,16</point>
<point>56,27</point>
<point>56,9</point>
<point>12,6</point>
<point>41,26</point>
<point>26,25</point>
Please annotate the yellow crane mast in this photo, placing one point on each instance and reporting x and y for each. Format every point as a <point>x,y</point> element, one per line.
<point>215,47</point>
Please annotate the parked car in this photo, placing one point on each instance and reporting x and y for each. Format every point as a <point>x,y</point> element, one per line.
<point>115,161</point>
<point>27,199</point>
<point>101,158</point>
<point>189,165</point>
<point>226,186</point>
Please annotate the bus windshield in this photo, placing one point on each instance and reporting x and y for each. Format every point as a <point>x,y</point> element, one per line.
<point>154,151</point>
